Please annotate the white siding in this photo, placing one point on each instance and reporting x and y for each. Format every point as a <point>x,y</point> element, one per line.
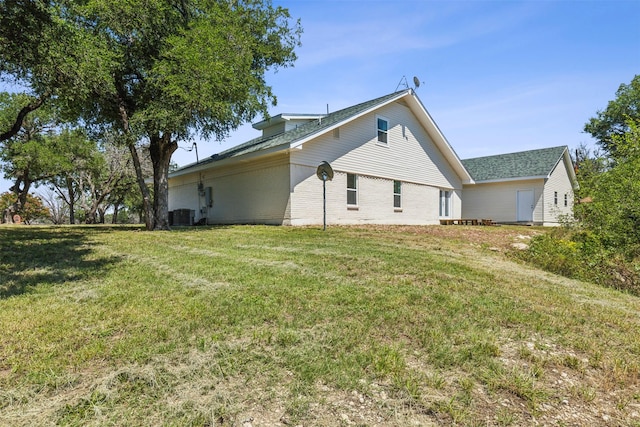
<point>498,201</point>
<point>410,154</point>
<point>559,182</point>
<point>375,201</point>
<point>246,193</point>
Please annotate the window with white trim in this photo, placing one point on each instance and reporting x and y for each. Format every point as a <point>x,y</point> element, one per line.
<point>352,189</point>
<point>445,203</point>
<point>397,194</point>
<point>383,130</point>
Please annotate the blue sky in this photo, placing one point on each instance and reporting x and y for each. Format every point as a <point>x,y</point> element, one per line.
<point>497,76</point>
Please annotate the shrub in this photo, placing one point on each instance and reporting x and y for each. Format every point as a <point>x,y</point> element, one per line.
<point>581,254</point>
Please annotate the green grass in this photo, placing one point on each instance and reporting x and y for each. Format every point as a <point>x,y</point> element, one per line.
<point>288,326</point>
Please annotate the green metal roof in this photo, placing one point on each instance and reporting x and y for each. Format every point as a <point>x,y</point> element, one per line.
<point>301,132</point>
<point>525,164</point>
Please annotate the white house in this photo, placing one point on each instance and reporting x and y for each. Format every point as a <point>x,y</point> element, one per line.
<point>532,187</point>
<point>391,163</point>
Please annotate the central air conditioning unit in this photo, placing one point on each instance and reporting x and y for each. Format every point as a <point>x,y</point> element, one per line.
<point>183,217</point>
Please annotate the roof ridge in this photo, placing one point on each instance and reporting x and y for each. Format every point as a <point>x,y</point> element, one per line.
<point>517,152</point>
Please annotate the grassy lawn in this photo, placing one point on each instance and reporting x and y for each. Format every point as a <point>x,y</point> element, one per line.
<point>275,326</point>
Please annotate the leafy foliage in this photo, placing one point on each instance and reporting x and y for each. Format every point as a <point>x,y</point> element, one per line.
<point>584,255</point>
<point>604,245</point>
<point>612,123</point>
<point>32,210</point>
<point>153,70</point>
<point>614,213</point>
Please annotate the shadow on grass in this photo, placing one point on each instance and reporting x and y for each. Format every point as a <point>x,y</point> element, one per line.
<point>32,256</point>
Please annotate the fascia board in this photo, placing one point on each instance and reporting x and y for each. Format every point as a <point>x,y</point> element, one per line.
<point>570,169</point>
<point>521,178</point>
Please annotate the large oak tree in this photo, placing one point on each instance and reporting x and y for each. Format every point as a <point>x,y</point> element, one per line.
<point>158,71</point>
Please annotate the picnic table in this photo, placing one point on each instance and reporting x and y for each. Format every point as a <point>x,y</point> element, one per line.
<point>466,221</point>
<point>461,221</point>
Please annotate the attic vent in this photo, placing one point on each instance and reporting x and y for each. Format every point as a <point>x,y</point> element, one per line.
<point>336,133</point>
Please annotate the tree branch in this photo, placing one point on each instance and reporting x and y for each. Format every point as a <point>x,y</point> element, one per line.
<point>13,131</point>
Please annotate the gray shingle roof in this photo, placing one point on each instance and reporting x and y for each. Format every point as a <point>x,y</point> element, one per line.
<point>301,132</point>
<point>533,163</point>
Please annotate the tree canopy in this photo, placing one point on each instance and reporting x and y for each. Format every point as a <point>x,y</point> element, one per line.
<point>32,210</point>
<point>603,244</point>
<point>612,123</point>
<point>157,71</point>
<point>32,154</point>
<point>613,214</point>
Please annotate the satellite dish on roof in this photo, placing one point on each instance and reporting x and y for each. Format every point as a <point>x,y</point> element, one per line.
<point>416,82</point>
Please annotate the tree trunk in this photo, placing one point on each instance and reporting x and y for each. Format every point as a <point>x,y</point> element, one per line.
<point>72,201</point>
<point>90,215</point>
<point>146,197</point>
<point>116,208</point>
<point>161,149</point>
<point>21,194</point>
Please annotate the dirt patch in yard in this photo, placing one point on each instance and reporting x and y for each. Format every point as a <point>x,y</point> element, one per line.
<point>496,238</point>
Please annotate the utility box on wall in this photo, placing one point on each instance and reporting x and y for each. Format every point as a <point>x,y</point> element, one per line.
<point>208,197</point>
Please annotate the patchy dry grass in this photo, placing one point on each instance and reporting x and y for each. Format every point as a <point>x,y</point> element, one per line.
<point>272,326</point>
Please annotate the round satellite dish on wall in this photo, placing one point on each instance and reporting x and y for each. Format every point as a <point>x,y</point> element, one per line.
<point>324,172</point>
<point>416,82</point>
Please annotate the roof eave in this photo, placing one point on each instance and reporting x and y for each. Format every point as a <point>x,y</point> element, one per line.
<point>213,163</point>
<point>570,169</point>
<point>519,178</point>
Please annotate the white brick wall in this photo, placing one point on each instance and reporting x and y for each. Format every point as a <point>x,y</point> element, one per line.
<point>420,203</point>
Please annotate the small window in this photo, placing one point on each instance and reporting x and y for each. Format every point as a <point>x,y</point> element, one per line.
<point>397,194</point>
<point>352,189</point>
<point>555,198</point>
<point>336,133</point>
<point>566,199</point>
<point>445,203</point>
<point>383,130</point>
